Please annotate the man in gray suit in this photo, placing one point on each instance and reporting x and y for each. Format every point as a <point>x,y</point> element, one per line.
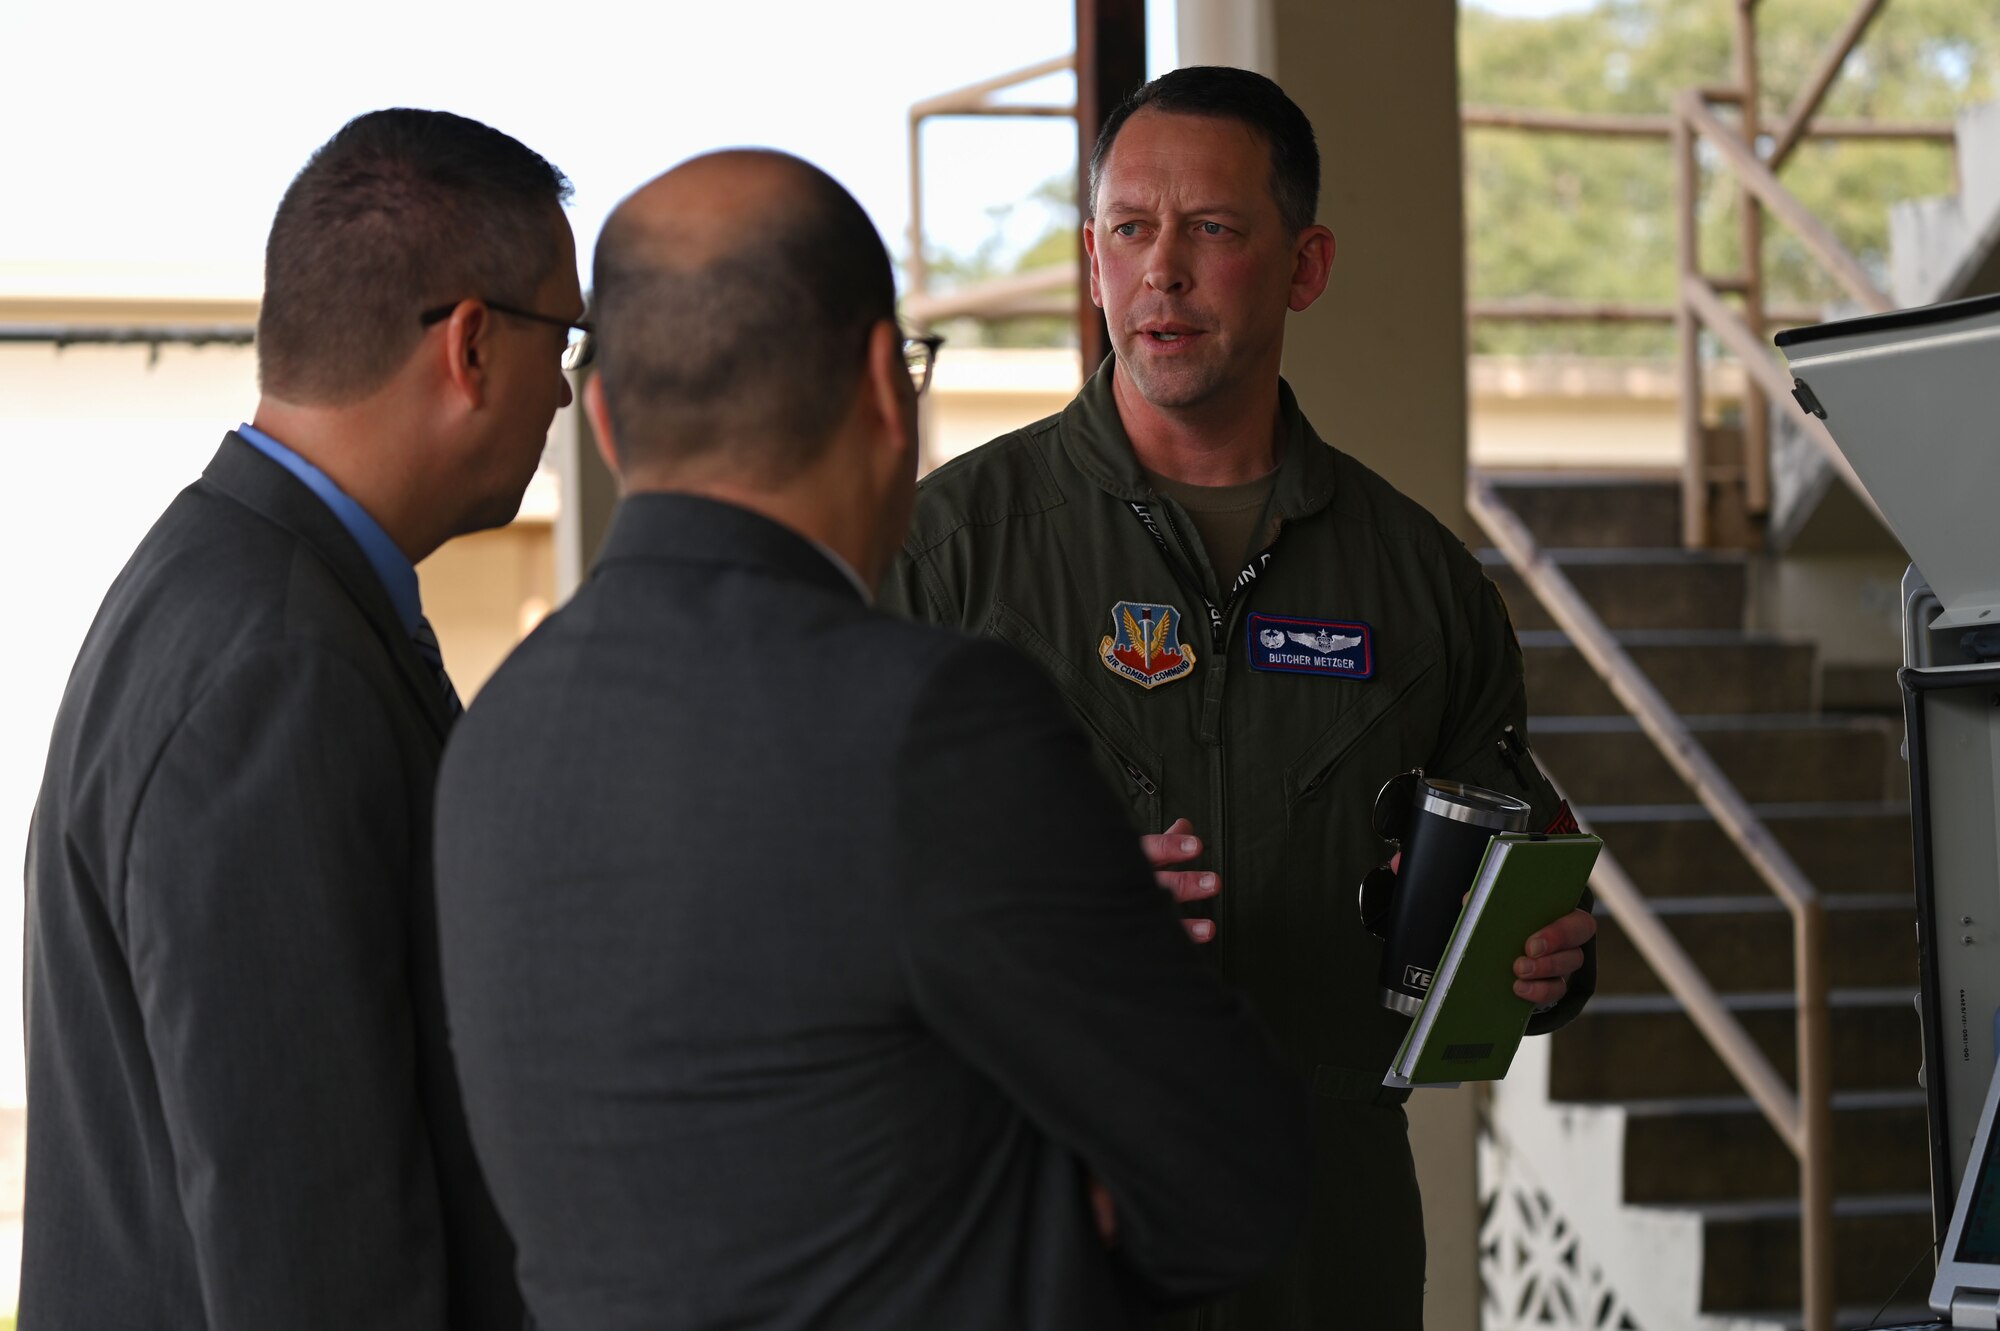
<point>241,1110</point>
<point>801,971</point>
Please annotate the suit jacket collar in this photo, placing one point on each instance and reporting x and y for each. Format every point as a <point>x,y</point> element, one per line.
<point>681,528</point>
<point>244,474</point>
<point>1095,438</point>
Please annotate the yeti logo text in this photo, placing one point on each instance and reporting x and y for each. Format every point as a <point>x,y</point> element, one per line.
<point>1416,977</point>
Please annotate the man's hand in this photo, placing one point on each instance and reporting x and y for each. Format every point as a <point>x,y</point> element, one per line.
<point>1178,845</point>
<point>1541,973</point>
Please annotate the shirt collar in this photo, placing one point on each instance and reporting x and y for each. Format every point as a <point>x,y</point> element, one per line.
<point>391,565</point>
<point>846,569</point>
<point>1094,436</point>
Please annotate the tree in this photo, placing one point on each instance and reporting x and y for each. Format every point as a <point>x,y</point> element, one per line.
<point>1585,218</point>
<point>1055,246</point>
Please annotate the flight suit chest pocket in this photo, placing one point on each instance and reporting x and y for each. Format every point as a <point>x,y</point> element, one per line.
<point>1388,722</point>
<point>1133,768</point>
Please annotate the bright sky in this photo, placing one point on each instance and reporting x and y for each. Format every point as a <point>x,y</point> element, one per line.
<point>175,147</point>
<point>192,118</point>
<point>1531,8</point>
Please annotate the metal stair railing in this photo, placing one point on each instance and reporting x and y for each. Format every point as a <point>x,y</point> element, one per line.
<point>1023,294</point>
<point>1802,1119</point>
<point>1700,303</point>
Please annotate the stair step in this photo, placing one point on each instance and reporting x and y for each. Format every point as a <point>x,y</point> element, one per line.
<point>1869,689</point>
<point>1643,1045</point>
<point>1565,509</point>
<point>1610,760</point>
<point>1902,1315</point>
<point>1676,850</point>
<point>1707,1157</point>
<point>1874,946</point>
<point>1672,1105</point>
<point>1698,671</point>
<point>1750,1254</point>
<point>1635,589</point>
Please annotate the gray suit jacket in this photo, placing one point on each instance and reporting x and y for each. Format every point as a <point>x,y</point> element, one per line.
<point>800,970</point>
<point>241,1110</point>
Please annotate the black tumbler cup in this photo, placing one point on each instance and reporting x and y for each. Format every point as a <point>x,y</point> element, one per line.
<point>1444,828</point>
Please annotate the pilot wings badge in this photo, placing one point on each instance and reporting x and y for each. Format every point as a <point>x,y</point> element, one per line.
<point>1145,645</point>
<point>1323,642</point>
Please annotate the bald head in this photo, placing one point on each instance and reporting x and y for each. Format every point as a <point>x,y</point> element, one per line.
<point>734,298</point>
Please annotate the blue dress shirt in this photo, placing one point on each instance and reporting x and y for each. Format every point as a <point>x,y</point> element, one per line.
<point>391,565</point>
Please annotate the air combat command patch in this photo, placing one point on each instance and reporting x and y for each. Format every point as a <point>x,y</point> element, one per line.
<point>1145,645</point>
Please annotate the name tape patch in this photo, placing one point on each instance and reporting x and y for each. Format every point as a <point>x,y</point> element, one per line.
<point>1288,645</point>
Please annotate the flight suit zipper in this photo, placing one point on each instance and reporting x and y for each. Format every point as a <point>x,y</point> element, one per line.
<point>1215,684</point>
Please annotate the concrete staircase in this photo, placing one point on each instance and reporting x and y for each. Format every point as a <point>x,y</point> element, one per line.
<point>1681,1202</point>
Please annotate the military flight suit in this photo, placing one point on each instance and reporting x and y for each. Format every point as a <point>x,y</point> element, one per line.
<point>1363,641</point>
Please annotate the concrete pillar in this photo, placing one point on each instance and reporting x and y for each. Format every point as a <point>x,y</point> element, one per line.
<point>589,492</point>
<point>1379,362</point>
<point>1228,32</point>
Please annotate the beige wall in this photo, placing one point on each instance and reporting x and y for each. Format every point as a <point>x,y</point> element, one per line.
<point>484,592</point>
<point>1851,605</point>
<point>1589,412</point>
<point>980,393</point>
<point>1555,433</point>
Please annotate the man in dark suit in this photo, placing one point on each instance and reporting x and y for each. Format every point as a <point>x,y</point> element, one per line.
<point>801,972</point>
<point>241,1107</point>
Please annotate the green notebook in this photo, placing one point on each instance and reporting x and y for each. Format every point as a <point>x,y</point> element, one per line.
<point>1472,1021</point>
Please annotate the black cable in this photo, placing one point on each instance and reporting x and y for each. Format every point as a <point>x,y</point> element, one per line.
<point>1930,1250</point>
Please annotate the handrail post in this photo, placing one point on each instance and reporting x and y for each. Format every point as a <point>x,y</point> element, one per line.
<point>1799,121</point>
<point>919,264</point>
<point>1750,210</point>
<point>1815,1077</point>
<point>1687,257</point>
<point>1812,233</point>
<point>1751,352</point>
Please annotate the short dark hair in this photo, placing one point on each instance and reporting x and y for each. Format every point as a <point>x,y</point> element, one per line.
<point>1231,94</point>
<point>760,346</point>
<point>399,211</point>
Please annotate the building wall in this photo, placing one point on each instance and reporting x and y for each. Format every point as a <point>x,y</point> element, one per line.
<point>1584,412</point>
<point>483,593</point>
<point>979,393</point>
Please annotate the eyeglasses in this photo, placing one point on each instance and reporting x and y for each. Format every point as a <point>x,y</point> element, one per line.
<point>580,350</point>
<point>920,355</point>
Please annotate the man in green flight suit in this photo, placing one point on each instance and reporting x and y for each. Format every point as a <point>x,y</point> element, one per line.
<point>1257,632</point>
